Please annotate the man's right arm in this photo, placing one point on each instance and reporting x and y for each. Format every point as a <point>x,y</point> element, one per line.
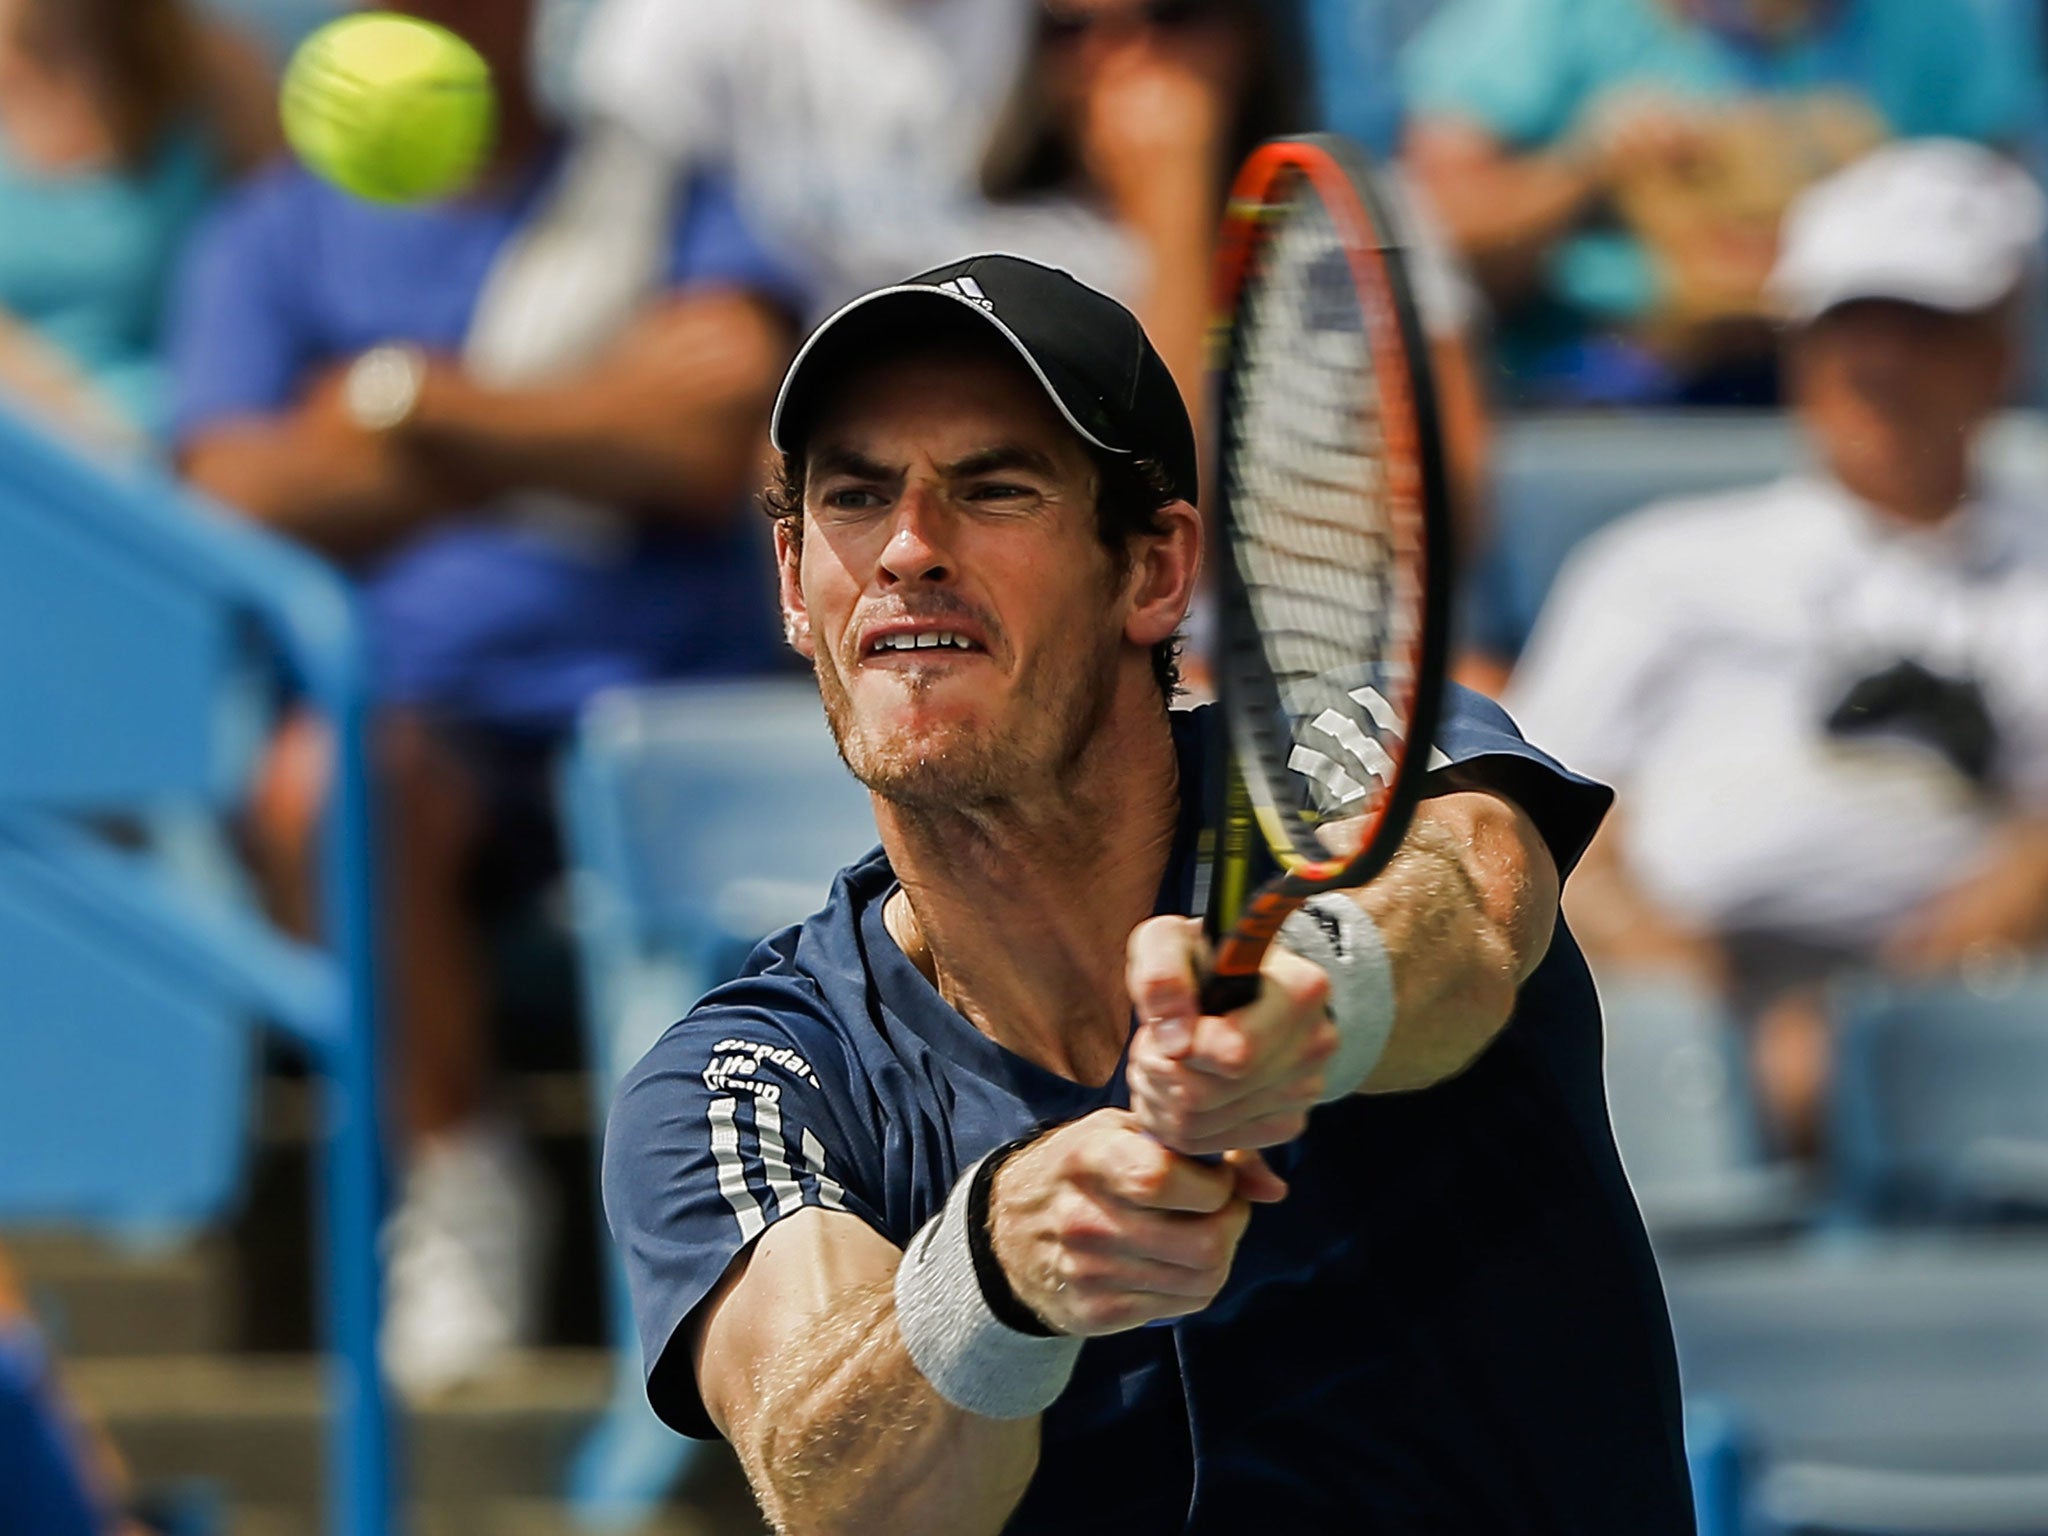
<point>801,1357</point>
<point>311,473</point>
<point>802,1368</point>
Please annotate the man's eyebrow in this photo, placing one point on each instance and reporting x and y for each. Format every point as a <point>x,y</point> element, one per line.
<point>838,460</point>
<point>1003,456</point>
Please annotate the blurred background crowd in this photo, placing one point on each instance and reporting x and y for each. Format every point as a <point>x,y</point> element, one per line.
<point>1733,311</point>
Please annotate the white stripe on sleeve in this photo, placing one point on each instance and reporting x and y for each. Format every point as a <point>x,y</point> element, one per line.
<point>830,1195</point>
<point>732,1176</point>
<point>789,1194</point>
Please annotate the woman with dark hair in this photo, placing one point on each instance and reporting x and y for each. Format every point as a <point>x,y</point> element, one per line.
<point>1133,114</point>
<point>118,119</point>
<point>1131,118</point>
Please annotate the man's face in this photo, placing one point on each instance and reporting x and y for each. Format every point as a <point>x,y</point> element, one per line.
<point>965,619</point>
<point>1891,391</point>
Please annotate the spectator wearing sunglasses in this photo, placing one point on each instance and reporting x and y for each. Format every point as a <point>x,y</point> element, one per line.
<point>1120,140</point>
<point>1126,125</point>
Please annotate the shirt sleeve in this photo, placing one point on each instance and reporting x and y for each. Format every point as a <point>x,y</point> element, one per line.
<point>237,339</point>
<point>1970,71</point>
<point>1482,749</point>
<point>714,247</point>
<point>739,1116</point>
<point>1503,64</point>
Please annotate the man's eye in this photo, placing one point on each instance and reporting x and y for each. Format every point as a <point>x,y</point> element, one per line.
<point>1000,490</point>
<point>852,498</point>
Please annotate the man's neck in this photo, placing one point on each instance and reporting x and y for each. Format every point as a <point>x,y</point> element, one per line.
<point>1921,489</point>
<point>1019,911</point>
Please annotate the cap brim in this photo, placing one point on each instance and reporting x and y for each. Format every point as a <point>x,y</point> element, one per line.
<point>813,369</point>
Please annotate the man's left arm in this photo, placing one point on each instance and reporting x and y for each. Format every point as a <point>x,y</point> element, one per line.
<point>670,418</point>
<point>1997,912</point>
<point>1459,919</point>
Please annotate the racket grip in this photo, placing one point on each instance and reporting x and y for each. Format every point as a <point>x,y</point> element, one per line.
<point>1226,994</point>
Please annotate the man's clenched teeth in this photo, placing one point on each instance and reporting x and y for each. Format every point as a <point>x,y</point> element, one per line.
<point>930,639</point>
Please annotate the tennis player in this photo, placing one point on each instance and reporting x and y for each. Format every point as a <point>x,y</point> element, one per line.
<point>899,1204</point>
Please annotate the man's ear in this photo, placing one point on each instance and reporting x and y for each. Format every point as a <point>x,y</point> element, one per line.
<point>796,618</point>
<point>1164,570</point>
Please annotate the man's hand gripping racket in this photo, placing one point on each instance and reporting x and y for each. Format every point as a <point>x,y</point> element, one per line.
<point>1333,573</point>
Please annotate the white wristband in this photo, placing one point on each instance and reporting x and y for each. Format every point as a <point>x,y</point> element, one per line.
<point>1340,936</point>
<point>971,1357</point>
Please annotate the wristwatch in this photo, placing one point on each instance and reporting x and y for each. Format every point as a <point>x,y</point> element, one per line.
<point>382,388</point>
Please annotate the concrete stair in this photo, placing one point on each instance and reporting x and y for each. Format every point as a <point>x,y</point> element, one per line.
<point>93,1298</point>
<point>196,1358</point>
<point>487,1459</point>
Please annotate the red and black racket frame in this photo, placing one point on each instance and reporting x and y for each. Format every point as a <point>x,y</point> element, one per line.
<point>1419,499</point>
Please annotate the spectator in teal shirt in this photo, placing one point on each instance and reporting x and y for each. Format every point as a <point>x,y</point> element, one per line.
<point>118,120</point>
<point>1614,168</point>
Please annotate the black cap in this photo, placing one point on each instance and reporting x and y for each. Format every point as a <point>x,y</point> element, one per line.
<point>1088,351</point>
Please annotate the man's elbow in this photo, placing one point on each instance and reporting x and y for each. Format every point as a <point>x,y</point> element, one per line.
<point>1438,1040</point>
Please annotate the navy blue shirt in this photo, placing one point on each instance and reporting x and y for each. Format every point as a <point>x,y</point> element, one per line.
<point>1452,1323</point>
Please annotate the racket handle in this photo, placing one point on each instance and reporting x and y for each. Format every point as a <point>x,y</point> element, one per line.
<point>1227,994</point>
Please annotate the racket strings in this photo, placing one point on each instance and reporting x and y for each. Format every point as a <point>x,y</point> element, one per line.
<point>1334,605</point>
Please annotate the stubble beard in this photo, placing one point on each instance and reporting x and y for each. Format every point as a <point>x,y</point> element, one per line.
<point>978,766</point>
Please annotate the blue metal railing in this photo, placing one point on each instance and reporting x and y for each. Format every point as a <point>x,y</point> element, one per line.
<point>104,574</point>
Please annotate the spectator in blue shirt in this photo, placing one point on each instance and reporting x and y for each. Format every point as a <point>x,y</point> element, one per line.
<point>526,421</point>
<point>1615,169</point>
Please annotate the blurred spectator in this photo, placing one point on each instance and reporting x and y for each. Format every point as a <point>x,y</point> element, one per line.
<point>118,120</point>
<point>526,420</point>
<point>851,129</point>
<point>1616,169</point>
<point>1115,155</point>
<point>1126,126</point>
<point>1824,702</point>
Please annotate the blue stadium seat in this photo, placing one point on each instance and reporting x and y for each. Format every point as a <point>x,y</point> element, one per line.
<point>1940,1106</point>
<point>1886,1387</point>
<point>1717,1453</point>
<point>1684,1114</point>
<point>700,818</point>
<point>143,640</point>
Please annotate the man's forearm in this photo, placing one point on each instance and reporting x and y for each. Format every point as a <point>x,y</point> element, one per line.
<point>670,421</point>
<point>1502,210</point>
<point>1465,912</point>
<point>344,500</point>
<point>627,452</point>
<point>847,1436</point>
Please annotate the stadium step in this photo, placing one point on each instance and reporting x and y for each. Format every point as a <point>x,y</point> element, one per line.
<point>97,1298</point>
<point>490,1458</point>
<point>504,1517</point>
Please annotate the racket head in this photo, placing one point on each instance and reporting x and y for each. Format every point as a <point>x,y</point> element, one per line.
<point>1332,524</point>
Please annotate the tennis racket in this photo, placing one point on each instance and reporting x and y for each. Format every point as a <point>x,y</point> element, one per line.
<point>1333,568</point>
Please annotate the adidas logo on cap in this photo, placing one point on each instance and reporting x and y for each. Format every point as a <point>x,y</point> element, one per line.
<point>968,289</point>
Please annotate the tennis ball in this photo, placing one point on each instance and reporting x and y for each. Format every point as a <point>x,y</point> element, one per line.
<point>389,107</point>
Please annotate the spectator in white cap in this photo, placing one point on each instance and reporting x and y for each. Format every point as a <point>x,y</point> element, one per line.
<point>1824,701</point>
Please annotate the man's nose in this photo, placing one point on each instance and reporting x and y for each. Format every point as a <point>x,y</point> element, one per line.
<point>916,548</point>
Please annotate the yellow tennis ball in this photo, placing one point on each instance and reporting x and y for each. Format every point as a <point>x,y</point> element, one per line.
<point>389,107</point>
